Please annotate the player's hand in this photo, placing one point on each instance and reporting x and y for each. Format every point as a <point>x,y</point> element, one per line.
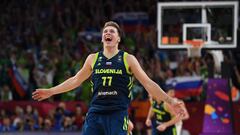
<point>178,108</point>
<point>41,94</point>
<point>130,126</point>
<point>148,122</point>
<point>162,127</point>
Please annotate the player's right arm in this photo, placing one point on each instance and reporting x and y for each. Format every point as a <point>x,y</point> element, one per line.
<point>69,84</point>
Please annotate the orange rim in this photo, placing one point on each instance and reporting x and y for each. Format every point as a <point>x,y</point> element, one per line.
<point>194,43</point>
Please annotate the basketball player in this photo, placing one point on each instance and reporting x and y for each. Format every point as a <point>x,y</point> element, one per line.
<point>111,71</point>
<point>162,118</point>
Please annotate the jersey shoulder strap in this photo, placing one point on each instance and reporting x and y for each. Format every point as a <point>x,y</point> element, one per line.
<point>125,54</point>
<point>94,60</point>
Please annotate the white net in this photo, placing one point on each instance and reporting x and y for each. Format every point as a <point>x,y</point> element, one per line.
<point>194,48</point>
<point>194,51</point>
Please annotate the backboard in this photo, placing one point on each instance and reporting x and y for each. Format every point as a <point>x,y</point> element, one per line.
<point>214,22</point>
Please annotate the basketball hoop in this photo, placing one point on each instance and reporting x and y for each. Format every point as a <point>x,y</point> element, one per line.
<point>194,47</point>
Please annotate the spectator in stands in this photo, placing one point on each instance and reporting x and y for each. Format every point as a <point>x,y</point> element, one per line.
<point>4,62</point>
<point>6,93</point>
<point>78,117</point>
<point>48,126</point>
<point>67,124</point>
<point>3,114</point>
<point>22,67</point>
<point>18,119</point>
<point>29,111</point>
<point>66,112</point>
<point>208,58</point>
<point>29,124</point>
<point>38,120</point>
<point>6,126</point>
<point>29,120</point>
<point>58,118</point>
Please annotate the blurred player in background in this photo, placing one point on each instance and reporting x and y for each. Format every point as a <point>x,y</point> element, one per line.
<point>180,123</point>
<point>163,119</point>
<point>111,71</point>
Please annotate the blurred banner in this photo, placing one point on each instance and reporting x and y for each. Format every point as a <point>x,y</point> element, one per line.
<point>186,86</point>
<point>17,81</point>
<point>132,21</point>
<point>217,119</point>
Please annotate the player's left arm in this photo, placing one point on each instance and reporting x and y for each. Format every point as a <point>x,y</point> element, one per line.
<point>152,88</point>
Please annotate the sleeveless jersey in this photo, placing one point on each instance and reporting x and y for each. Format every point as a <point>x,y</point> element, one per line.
<point>162,115</point>
<point>111,83</point>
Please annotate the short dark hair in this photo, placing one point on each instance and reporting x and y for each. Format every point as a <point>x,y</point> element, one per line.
<point>113,24</point>
<point>168,87</point>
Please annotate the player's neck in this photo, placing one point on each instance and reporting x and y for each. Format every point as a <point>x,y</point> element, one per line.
<point>110,52</point>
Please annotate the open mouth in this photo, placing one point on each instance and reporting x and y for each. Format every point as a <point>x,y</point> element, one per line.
<point>108,39</point>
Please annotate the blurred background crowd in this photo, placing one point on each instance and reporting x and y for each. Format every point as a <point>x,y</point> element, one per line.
<point>44,42</point>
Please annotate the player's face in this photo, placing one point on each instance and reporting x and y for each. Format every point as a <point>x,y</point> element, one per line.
<point>110,36</point>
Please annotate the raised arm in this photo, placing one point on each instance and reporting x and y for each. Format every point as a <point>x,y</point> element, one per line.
<point>67,85</point>
<point>152,88</point>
